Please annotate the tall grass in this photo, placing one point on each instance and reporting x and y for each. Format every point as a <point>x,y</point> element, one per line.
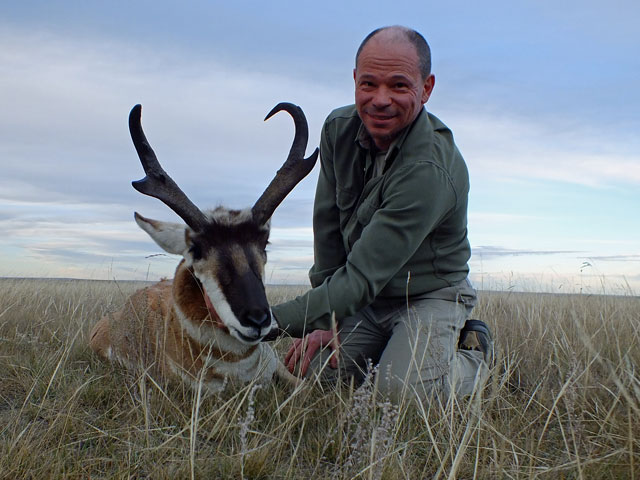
<point>563,401</point>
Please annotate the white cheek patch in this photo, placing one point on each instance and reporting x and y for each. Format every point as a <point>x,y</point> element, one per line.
<point>223,309</point>
<point>208,334</point>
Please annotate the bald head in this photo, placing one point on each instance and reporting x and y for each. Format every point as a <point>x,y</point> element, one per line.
<point>399,33</point>
<point>392,83</point>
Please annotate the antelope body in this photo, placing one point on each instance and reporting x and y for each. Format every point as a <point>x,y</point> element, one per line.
<point>206,325</point>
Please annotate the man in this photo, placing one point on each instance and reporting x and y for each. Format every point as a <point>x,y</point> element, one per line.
<point>390,236</point>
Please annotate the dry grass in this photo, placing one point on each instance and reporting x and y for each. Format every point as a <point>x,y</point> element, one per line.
<point>563,402</point>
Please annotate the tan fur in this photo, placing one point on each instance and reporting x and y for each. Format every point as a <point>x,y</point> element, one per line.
<point>147,334</point>
<point>239,260</point>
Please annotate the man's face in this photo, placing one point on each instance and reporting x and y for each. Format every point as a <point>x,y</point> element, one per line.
<point>390,90</point>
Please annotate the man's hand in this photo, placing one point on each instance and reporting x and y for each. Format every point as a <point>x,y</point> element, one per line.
<point>305,348</point>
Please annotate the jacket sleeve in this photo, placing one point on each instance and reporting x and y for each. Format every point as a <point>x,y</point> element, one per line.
<point>328,248</point>
<point>415,199</point>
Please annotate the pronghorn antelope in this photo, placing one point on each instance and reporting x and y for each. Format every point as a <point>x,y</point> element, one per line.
<point>206,325</point>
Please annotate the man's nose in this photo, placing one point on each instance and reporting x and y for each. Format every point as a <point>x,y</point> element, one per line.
<point>382,97</point>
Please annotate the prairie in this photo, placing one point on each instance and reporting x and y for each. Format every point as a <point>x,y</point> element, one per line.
<point>563,401</point>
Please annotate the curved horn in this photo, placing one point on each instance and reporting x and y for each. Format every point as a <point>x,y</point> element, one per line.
<point>294,169</point>
<point>157,183</point>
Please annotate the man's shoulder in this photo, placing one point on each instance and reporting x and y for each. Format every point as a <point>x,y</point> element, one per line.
<point>435,123</point>
<point>430,143</point>
<point>427,125</point>
<point>342,124</point>
<point>346,113</point>
<point>429,136</point>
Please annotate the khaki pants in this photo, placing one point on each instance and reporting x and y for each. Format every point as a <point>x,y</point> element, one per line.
<point>414,343</point>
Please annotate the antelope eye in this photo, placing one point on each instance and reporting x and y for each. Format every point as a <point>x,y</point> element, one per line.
<point>196,252</point>
<point>263,242</point>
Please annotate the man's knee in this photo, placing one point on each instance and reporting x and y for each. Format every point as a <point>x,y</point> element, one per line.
<point>349,368</point>
<point>408,384</point>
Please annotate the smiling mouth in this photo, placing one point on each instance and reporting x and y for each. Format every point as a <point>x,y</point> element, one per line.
<point>380,118</point>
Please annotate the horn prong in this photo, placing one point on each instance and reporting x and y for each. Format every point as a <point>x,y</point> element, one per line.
<point>157,183</point>
<point>294,169</point>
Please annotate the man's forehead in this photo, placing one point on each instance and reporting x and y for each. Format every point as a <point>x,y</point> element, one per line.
<point>364,74</point>
<point>380,47</point>
<point>385,59</point>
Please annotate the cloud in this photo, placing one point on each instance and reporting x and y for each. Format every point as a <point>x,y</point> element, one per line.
<point>488,251</point>
<point>66,137</point>
<point>66,199</point>
<point>614,258</point>
<point>495,219</point>
<point>510,147</point>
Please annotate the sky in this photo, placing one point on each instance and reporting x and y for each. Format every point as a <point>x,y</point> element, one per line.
<point>542,97</point>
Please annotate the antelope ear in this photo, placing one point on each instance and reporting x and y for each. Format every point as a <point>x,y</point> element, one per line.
<point>169,236</point>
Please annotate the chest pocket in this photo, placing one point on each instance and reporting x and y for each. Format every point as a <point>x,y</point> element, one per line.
<point>366,210</point>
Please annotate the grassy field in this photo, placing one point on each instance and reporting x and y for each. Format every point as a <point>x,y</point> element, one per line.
<point>563,402</point>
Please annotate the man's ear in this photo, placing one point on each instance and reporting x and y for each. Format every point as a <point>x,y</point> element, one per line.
<point>427,87</point>
<point>171,237</point>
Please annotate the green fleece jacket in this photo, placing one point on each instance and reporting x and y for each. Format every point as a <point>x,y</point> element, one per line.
<point>402,232</point>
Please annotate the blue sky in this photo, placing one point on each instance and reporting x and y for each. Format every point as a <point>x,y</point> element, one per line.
<point>542,97</point>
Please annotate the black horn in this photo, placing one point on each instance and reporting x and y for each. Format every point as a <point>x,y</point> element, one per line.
<point>294,169</point>
<point>157,183</point>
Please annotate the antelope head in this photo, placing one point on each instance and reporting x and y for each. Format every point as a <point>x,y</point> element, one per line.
<point>224,249</point>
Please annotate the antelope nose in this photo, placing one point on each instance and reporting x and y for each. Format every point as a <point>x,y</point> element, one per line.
<point>257,318</point>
